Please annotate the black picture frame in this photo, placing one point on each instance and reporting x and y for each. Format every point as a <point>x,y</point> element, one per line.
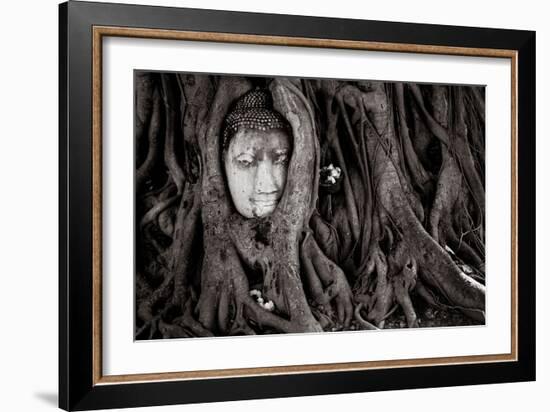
<point>77,387</point>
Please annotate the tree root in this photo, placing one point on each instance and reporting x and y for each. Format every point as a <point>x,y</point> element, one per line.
<point>363,323</point>
<point>154,140</point>
<point>327,281</point>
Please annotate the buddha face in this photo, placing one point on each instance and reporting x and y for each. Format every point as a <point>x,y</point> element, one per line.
<point>256,163</point>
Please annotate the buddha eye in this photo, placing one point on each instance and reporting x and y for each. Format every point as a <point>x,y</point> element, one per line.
<point>281,159</point>
<point>245,161</point>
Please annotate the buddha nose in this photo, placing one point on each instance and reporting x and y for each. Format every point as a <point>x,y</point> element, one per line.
<point>265,181</point>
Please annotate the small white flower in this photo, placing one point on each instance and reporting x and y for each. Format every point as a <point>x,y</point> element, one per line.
<point>260,300</point>
<point>255,292</point>
<point>331,179</point>
<point>269,306</point>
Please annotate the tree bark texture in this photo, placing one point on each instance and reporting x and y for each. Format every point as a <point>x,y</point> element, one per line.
<point>398,241</point>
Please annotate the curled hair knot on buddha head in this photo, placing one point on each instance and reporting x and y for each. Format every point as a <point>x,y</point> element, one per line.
<point>253,110</point>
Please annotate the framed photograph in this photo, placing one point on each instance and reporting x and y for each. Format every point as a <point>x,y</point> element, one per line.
<point>256,205</point>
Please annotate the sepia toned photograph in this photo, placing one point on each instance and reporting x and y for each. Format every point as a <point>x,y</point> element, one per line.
<point>268,205</point>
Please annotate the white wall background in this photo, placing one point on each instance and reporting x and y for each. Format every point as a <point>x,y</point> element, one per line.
<point>28,204</point>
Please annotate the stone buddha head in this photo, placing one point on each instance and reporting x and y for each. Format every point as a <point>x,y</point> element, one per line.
<point>256,149</point>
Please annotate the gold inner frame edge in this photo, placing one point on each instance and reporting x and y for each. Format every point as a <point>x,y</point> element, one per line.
<point>98,32</point>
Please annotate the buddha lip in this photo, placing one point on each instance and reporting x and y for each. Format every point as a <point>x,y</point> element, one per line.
<point>264,202</point>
